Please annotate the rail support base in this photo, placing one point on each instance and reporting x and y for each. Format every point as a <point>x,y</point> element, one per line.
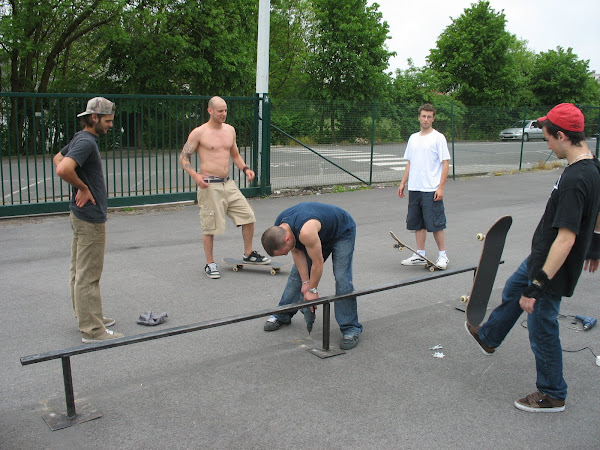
<point>85,413</point>
<point>322,353</point>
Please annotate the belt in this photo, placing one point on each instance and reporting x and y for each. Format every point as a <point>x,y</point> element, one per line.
<point>216,179</point>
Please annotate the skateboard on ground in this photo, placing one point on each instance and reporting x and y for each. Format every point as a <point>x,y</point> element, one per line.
<point>274,266</point>
<point>485,275</point>
<point>429,264</point>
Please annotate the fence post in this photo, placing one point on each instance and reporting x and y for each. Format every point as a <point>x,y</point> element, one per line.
<point>453,136</point>
<point>265,148</point>
<point>373,112</point>
<point>523,135</point>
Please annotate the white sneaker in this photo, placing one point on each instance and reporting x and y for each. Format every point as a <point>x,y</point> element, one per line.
<point>414,260</point>
<point>442,261</point>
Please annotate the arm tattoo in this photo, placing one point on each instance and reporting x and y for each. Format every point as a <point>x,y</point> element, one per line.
<point>184,157</point>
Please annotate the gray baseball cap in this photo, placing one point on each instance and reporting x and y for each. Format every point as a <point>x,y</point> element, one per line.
<point>98,105</point>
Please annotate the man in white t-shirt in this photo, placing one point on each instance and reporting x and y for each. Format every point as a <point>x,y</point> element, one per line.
<point>426,174</point>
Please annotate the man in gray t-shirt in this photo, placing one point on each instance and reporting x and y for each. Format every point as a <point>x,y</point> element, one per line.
<point>79,164</point>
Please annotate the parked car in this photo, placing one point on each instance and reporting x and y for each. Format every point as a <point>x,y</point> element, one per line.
<point>516,131</point>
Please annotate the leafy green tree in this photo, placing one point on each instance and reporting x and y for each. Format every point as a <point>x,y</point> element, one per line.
<point>415,85</point>
<point>166,47</point>
<point>475,59</point>
<point>558,76</point>
<point>35,35</point>
<point>347,58</point>
<point>288,48</point>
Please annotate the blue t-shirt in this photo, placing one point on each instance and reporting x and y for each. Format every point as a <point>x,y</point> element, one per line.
<point>83,148</point>
<point>336,224</point>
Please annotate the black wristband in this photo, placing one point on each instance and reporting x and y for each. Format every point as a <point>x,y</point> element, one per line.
<point>538,286</point>
<point>594,250</point>
<point>244,169</point>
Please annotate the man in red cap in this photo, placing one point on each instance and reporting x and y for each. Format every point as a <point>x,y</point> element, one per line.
<point>566,240</point>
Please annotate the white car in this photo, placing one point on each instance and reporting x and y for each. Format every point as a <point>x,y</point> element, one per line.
<point>517,129</point>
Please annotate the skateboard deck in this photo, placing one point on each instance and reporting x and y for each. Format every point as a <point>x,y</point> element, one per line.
<point>429,264</point>
<point>485,274</point>
<point>274,266</point>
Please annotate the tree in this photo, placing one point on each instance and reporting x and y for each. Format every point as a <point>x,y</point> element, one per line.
<point>288,48</point>
<point>558,76</point>
<point>36,34</point>
<point>476,60</point>
<point>166,47</point>
<point>347,56</point>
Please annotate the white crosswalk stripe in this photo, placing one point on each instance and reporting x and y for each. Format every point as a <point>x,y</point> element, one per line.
<point>385,160</point>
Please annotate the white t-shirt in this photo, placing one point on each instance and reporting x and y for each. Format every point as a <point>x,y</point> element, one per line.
<point>426,154</point>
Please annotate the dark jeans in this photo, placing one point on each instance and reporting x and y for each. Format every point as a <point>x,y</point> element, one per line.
<point>543,329</point>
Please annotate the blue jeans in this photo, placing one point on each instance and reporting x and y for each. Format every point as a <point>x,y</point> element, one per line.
<point>346,313</point>
<point>543,329</point>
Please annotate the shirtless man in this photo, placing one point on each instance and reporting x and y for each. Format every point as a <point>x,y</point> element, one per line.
<point>218,195</point>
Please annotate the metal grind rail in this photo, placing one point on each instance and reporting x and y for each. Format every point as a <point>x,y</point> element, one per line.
<point>58,421</point>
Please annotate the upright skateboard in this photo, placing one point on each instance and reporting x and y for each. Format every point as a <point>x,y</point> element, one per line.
<point>485,275</point>
<point>238,264</point>
<point>429,264</point>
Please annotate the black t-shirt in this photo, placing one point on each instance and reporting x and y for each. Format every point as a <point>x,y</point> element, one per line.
<point>83,148</point>
<point>336,223</point>
<point>574,204</point>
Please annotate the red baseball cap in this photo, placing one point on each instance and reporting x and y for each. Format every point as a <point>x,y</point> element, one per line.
<point>567,116</point>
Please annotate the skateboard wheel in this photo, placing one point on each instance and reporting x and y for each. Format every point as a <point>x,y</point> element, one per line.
<point>464,298</point>
<point>432,269</point>
<point>273,271</point>
<point>480,236</point>
<point>236,268</point>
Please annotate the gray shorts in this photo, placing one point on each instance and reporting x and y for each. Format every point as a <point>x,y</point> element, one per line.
<point>424,213</point>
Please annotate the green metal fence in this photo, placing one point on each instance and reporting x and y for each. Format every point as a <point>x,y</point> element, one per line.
<point>300,144</point>
<point>140,153</point>
<point>328,143</point>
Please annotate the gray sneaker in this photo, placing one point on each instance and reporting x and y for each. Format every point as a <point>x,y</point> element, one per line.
<point>212,271</point>
<point>272,324</point>
<point>349,342</point>
<point>256,258</point>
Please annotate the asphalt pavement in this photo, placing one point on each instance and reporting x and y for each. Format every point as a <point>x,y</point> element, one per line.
<point>240,387</point>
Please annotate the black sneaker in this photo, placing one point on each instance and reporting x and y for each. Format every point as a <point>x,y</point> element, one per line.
<point>272,324</point>
<point>538,402</point>
<point>256,258</point>
<point>349,342</point>
<point>473,331</point>
<point>212,271</point>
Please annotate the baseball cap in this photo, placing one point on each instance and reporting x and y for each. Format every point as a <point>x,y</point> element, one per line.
<point>98,105</point>
<point>567,116</point>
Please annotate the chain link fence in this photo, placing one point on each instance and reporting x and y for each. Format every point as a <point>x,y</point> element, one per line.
<point>328,143</point>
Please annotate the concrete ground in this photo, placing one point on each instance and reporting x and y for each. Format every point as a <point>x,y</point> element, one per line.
<point>240,387</point>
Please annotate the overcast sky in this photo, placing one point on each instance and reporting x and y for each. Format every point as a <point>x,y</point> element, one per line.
<point>416,25</point>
